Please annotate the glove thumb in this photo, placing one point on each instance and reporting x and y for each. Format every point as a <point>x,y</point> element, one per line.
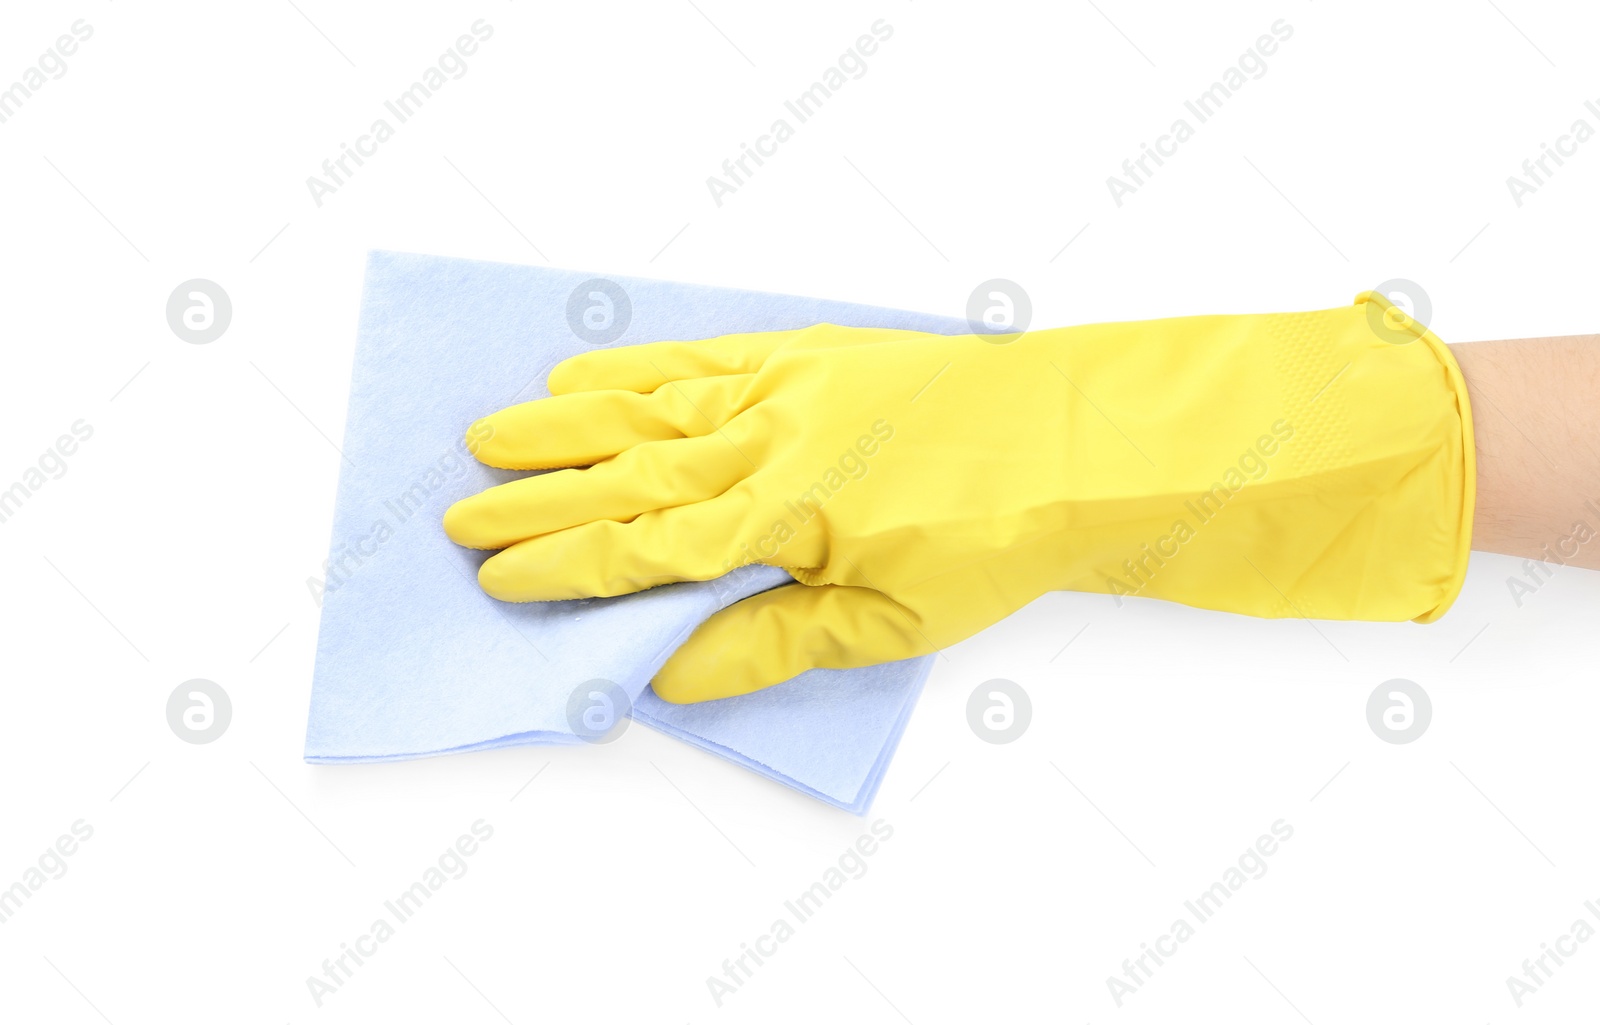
<point>776,635</point>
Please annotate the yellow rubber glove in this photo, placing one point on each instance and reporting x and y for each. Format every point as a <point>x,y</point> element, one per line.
<point>921,487</point>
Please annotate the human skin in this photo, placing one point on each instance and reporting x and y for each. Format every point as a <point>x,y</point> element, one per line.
<point>1536,420</point>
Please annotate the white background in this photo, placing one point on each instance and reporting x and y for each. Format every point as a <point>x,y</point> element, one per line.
<point>1163,741</point>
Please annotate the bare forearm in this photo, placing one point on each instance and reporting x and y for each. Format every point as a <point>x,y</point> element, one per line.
<point>1536,418</point>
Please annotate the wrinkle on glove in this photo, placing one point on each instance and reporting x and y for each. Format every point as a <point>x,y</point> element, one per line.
<point>413,659</point>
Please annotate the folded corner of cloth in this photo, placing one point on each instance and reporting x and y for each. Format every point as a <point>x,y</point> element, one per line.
<point>413,659</point>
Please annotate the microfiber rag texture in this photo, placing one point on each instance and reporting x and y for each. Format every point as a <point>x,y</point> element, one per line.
<point>413,659</point>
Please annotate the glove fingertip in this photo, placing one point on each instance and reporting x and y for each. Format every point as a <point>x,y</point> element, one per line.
<point>573,374</point>
<point>711,664</point>
<point>675,691</point>
<point>478,432</point>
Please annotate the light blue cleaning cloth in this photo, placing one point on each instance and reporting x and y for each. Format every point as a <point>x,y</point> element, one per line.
<point>413,659</point>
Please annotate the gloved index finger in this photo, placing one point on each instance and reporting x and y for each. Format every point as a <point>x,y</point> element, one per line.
<point>644,368</point>
<point>583,428</point>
